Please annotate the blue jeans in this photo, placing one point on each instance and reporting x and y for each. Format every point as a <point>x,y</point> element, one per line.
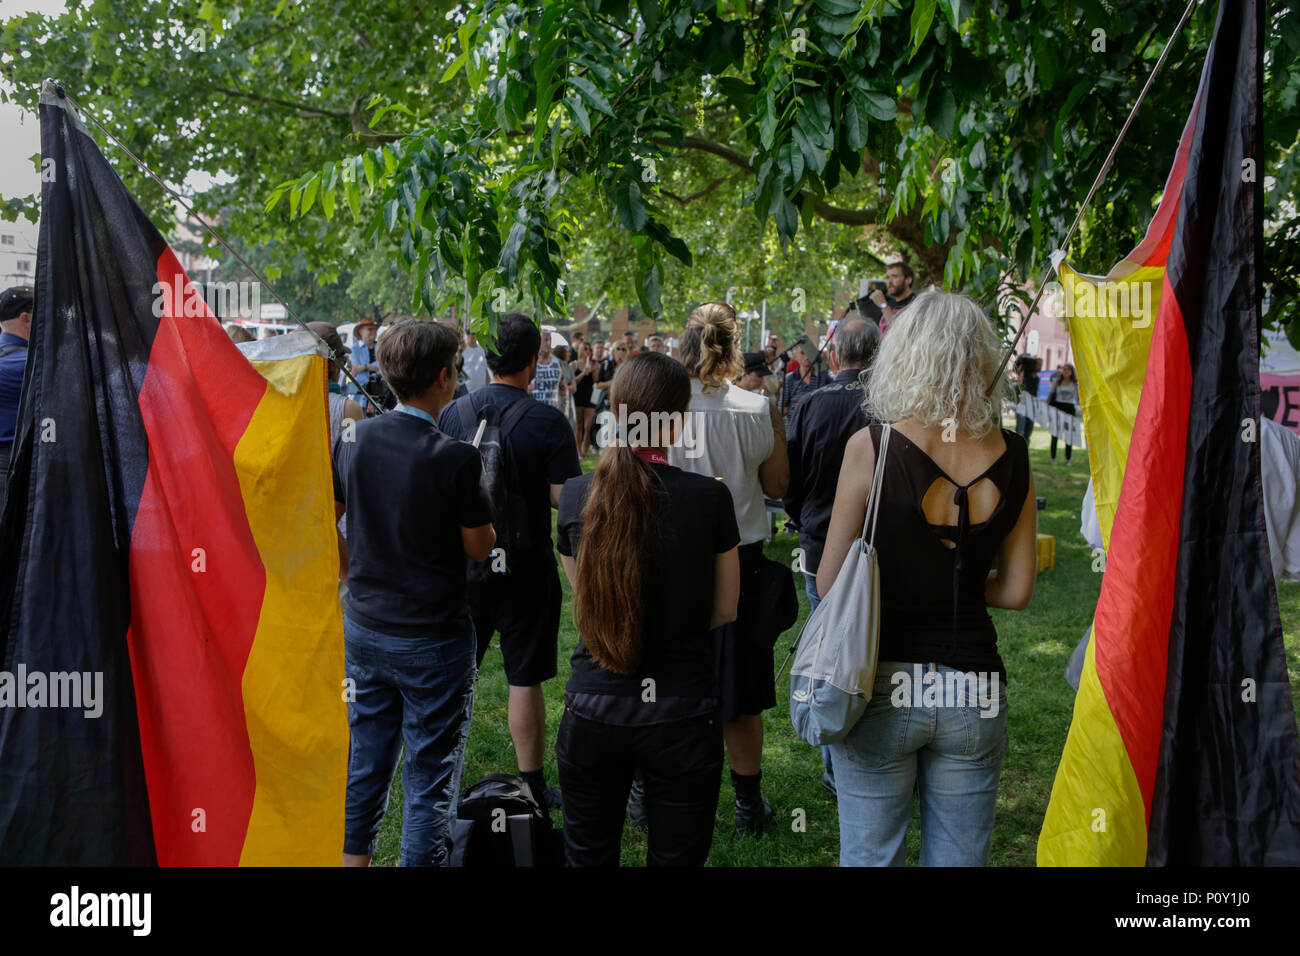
<point>1024,426</point>
<point>810,586</point>
<point>951,754</point>
<point>414,690</point>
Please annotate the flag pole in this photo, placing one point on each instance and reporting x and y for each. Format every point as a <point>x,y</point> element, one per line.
<point>1059,254</point>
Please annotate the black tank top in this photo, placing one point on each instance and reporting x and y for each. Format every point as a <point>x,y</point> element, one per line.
<point>932,595</point>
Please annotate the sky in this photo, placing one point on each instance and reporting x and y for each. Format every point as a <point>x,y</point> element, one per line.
<point>20,131</point>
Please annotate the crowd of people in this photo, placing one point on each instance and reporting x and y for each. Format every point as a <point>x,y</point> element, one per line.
<point>664,691</point>
<point>677,608</point>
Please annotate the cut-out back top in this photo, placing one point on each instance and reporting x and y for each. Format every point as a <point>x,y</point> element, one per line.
<point>936,540</point>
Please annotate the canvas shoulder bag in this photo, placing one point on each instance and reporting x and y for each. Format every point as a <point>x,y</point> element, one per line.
<point>835,665</point>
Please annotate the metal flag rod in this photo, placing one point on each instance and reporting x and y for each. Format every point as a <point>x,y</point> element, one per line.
<point>1087,200</point>
<point>343,361</point>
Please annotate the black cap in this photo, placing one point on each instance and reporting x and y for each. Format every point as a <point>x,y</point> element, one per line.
<point>15,301</point>
<point>756,362</point>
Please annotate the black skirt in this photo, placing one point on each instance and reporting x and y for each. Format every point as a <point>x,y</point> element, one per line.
<point>744,648</point>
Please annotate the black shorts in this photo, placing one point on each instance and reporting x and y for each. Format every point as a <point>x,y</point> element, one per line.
<point>744,648</point>
<point>525,608</point>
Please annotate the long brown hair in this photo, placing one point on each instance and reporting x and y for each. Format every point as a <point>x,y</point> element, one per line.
<point>619,518</point>
<point>709,344</point>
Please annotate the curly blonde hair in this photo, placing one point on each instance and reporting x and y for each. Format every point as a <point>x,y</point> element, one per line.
<point>936,364</point>
<point>709,345</point>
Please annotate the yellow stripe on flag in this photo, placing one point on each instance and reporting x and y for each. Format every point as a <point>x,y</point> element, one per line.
<point>1110,322</point>
<point>1096,816</point>
<point>293,681</point>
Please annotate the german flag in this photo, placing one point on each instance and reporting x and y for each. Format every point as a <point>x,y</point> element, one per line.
<point>168,538</point>
<point>1183,746</point>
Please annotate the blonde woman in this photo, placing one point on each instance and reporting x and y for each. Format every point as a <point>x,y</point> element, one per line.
<point>737,436</point>
<point>956,536</point>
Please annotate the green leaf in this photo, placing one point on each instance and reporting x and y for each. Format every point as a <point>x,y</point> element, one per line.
<point>878,105</point>
<point>952,9</point>
<point>767,120</point>
<point>944,114</point>
<point>814,157</point>
<point>787,218</point>
<point>650,289</point>
<point>309,193</point>
<point>509,261</point>
<point>922,18</point>
<point>390,214</point>
<point>579,114</point>
<point>454,68</point>
<point>649,13</point>
<point>855,124</point>
<point>675,246</point>
<point>595,99</point>
<point>631,210</point>
<point>353,194</point>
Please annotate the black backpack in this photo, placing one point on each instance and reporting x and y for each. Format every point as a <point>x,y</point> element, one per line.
<point>500,480</point>
<point>500,825</point>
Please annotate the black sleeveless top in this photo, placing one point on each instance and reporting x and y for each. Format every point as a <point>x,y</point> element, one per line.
<point>932,595</point>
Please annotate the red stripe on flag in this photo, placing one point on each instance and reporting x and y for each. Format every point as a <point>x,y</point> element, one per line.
<point>1137,593</point>
<point>197,584</point>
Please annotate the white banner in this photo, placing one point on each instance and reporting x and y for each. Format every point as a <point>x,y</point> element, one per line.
<point>1065,427</point>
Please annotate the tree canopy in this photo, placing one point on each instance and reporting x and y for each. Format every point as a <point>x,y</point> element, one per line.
<point>665,150</point>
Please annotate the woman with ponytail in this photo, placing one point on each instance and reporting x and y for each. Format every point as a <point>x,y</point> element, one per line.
<point>650,551</point>
<point>739,436</point>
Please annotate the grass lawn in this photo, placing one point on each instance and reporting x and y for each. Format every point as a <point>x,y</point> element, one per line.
<point>1034,643</point>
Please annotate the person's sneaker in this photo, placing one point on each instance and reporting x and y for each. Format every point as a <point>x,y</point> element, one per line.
<point>553,799</point>
<point>828,784</point>
<point>752,816</point>
<point>636,805</point>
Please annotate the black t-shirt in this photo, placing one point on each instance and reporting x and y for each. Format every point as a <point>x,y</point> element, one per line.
<point>582,395</point>
<point>694,522</point>
<point>408,489</point>
<point>817,431</point>
<point>543,451</point>
<point>932,604</point>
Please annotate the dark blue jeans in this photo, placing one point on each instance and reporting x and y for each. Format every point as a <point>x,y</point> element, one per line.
<point>417,691</point>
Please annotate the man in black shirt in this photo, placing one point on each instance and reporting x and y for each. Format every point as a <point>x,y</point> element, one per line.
<point>523,603</point>
<point>416,508</point>
<point>881,307</point>
<point>816,432</point>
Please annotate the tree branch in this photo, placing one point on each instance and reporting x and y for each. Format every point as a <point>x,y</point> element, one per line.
<point>313,112</point>
<point>824,210</point>
<point>687,200</point>
<point>903,228</point>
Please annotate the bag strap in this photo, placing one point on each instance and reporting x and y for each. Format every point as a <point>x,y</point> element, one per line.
<point>521,839</point>
<point>468,417</point>
<point>11,349</point>
<point>877,479</point>
<point>514,415</point>
<point>462,831</point>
